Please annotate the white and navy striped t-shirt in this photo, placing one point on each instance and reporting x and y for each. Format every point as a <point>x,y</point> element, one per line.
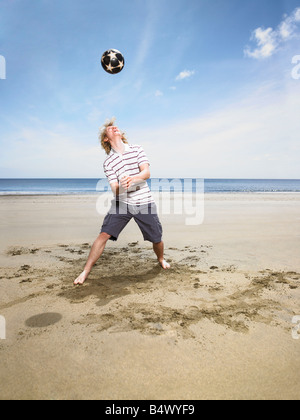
<point>118,165</point>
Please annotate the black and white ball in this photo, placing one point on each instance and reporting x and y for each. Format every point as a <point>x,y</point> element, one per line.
<point>113,61</point>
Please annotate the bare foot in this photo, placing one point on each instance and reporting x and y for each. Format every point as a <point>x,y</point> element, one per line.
<point>165,265</point>
<point>82,278</point>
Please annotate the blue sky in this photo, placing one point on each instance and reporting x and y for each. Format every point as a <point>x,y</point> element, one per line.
<point>208,88</point>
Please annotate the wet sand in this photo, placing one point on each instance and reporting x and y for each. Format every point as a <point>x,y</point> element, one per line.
<point>218,325</point>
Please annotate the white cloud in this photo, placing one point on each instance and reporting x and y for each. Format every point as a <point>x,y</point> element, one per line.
<point>35,151</point>
<point>158,93</point>
<point>269,40</point>
<point>253,137</point>
<point>185,74</point>
<point>267,43</point>
<point>256,137</point>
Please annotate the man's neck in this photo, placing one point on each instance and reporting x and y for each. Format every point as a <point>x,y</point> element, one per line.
<point>118,146</point>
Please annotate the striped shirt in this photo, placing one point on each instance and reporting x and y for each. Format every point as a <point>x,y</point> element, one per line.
<point>116,166</point>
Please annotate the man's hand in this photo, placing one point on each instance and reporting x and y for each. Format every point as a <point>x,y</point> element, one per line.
<point>127,182</point>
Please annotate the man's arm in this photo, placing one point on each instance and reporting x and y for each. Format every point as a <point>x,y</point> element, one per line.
<point>129,181</point>
<point>115,188</point>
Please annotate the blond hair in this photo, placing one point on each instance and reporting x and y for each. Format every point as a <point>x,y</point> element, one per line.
<point>103,136</point>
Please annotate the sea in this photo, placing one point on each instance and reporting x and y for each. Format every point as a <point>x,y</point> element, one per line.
<point>80,186</point>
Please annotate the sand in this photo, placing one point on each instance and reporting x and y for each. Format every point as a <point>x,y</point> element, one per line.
<point>218,325</point>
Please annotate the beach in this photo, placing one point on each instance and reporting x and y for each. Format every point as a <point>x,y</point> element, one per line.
<point>217,325</point>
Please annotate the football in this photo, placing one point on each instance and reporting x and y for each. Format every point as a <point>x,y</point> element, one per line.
<point>112,61</point>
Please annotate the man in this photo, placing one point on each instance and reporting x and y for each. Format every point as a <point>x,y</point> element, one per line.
<point>127,170</point>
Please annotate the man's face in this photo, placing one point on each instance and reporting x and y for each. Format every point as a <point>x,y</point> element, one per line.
<point>112,133</point>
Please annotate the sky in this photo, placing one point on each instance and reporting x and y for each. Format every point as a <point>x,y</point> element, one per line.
<point>210,88</point>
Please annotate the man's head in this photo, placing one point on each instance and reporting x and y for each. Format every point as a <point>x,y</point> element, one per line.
<point>108,132</point>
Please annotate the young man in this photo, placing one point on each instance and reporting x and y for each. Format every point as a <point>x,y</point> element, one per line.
<point>127,170</point>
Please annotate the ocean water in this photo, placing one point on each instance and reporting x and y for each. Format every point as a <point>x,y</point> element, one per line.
<point>95,186</point>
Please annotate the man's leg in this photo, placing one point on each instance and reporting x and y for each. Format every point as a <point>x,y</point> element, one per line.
<point>159,251</point>
<point>151,228</point>
<point>96,252</point>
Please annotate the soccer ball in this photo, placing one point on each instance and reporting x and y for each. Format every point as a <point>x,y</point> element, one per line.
<point>112,61</point>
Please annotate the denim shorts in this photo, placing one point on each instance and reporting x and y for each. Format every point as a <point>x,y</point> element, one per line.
<point>145,216</point>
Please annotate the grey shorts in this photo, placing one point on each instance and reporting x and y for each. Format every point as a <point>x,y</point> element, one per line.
<point>145,216</point>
